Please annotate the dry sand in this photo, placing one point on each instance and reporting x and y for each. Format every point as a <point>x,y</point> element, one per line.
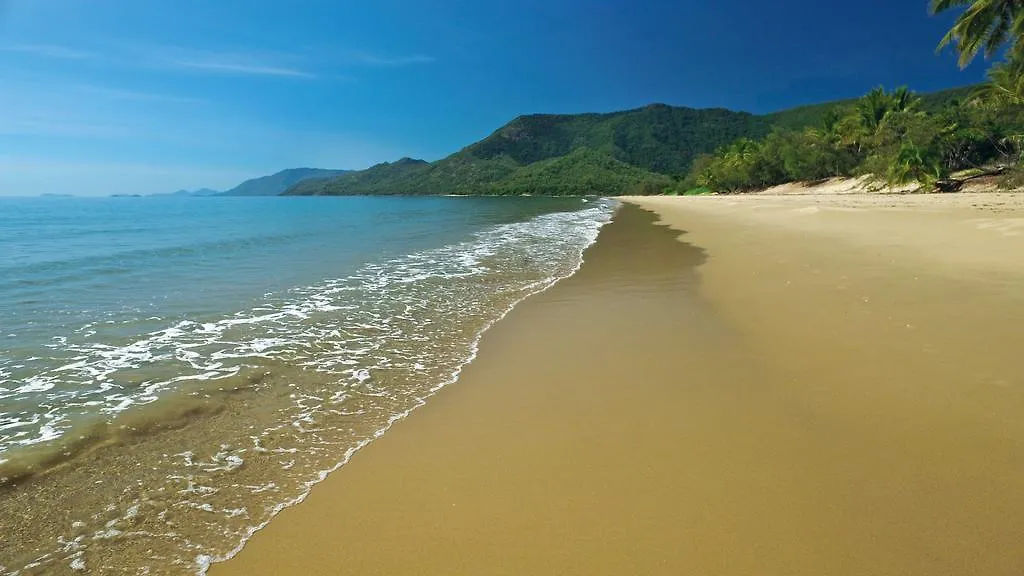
<point>801,385</point>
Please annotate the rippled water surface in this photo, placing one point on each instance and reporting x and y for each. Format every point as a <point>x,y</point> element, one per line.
<point>173,371</point>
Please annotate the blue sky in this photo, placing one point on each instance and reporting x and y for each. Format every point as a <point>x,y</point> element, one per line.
<point>141,96</point>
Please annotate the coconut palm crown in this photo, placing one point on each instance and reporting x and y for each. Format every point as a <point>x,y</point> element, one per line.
<point>984,27</point>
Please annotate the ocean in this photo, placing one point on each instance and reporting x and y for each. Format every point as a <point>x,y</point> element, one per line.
<point>175,371</point>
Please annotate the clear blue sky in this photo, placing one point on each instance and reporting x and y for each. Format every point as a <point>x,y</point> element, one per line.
<point>143,96</point>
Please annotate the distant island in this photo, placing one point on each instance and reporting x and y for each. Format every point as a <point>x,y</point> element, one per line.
<point>187,193</point>
<point>897,136</point>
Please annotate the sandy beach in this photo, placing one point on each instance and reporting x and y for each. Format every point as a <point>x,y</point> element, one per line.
<point>748,385</point>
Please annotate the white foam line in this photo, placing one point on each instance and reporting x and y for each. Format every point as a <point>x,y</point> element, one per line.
<point>379,323</point>
<point>204,561</point>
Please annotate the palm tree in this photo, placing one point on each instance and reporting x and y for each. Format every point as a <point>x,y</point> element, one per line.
<point>914,164</point>
<point>873,108</point>
<point>831,122</point>
<point>878,111</point>
<point>740,152</point>
<point>986,25</point>
<point>903,100</point>
<point>733,166</point>
<point>1005,86</point>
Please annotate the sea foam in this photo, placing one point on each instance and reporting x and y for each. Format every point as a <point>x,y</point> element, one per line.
<point>333,366</point>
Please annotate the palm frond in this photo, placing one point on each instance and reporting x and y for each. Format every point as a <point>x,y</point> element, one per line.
<point>939,6</point>
<point>985,27</point>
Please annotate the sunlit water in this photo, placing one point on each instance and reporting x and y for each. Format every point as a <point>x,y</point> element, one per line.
<point>175,371</point>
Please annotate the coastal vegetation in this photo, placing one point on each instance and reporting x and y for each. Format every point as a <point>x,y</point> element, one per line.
<point>933,141</point>
<point>897,136</point>
<point>884,134</point>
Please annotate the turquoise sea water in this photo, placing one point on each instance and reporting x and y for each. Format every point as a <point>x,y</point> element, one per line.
<point>173,371</point>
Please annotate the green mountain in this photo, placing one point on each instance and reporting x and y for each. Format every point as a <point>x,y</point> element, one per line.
<point>386,178</point>
<point>557,154</point>
<point>580,172</point>
<point>634,151</point>
<point>275,184</point>
<point>657,138</point>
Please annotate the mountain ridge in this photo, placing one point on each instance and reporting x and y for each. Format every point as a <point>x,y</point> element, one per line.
<point>276,183</point>
<point>640,150</point>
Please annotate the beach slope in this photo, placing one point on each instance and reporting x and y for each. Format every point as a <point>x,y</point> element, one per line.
<point>800,385</point>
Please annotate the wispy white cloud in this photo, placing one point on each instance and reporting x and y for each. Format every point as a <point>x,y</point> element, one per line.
<point>239,63</point>
<point>134,95</point>
<point>273,64</point>
<point>238,68</point>
<point>369,59</point>
<point>48,51</point>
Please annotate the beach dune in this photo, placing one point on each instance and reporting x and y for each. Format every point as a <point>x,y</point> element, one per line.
<point>751,385</point>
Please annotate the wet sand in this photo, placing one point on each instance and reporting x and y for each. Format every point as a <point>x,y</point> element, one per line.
<point>803,385</point>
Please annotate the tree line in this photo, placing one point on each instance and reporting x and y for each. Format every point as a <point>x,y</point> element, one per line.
<point>887,135</point>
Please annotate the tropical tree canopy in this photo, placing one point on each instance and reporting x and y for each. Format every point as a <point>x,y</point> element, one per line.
<point>1005,86</point>
<point>889,135</point>
<point>985,27</point>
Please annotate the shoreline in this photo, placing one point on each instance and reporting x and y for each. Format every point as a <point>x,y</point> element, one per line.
<point>210,464</point>
<point>737,426</point>
<point>207,562</point>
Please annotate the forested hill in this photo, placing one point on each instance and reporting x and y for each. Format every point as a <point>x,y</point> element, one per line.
<point>634,151</point>
<point>658,138</point>
<point>275,184</point>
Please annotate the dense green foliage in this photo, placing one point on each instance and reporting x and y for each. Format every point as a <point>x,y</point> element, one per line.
<point>897,135</point>
<point>815,114</point>
<point>885,134</point>
<point>657,138</point>
<point>583,171</point>
<point>277,183</point>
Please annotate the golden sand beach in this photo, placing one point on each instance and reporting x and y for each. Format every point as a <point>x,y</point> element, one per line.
<point>755,385</point>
